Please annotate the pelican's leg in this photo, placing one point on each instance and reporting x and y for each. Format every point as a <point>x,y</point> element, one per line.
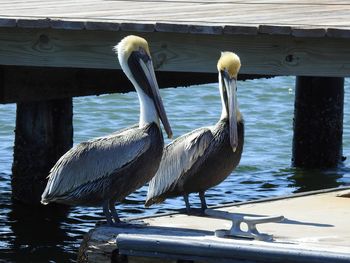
<point>203,203</point>
<point>188,207</point>
<point>114,211</point>
<point>107,213</point>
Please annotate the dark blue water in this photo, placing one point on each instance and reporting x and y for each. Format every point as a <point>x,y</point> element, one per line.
<point>39,235</point>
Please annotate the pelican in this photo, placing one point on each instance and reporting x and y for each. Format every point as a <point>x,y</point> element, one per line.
<point>204,157</point>
<point>105,170</point>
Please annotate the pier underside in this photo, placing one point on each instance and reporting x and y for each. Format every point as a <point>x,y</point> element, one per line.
<point>21,84</point>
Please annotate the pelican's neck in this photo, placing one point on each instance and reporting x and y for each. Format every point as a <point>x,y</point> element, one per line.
<point>148,111</point>
<point>224,113</point>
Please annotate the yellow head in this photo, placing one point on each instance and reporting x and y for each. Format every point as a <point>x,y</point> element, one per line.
<point>129,44</point>
<point>230,63</point>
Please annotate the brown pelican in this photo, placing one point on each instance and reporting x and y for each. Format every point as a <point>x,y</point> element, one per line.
<point>204,157</point>
<point>107,169</point>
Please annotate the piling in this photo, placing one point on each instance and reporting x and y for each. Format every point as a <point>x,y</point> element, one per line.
<point>43,133</point>
<point>318,122</point>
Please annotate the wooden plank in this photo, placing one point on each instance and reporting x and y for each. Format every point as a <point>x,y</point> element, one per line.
<point>8,22</point>
<point>33,23</point>
<point>260,54</point>
<point>172,27</point>
<point>98,25</point>
<point>308,32</point>
<point>137,27</point>
<point>338,33</point>
<point>275,30</point>
<point>67,24</point>
<point>276,13</point>
<point>205,29</point>
<point>240,30</point>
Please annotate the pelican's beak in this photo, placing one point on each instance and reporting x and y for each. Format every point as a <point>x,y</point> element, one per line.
<point>141,61</point>
<point>230,85</point>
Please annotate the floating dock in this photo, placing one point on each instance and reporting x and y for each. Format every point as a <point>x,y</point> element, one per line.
<point>315,229</point>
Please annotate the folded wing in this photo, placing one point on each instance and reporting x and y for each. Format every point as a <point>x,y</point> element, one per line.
<point>93,160</point>
<point>178,157</point>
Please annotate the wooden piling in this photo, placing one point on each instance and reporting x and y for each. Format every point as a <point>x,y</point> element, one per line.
<point>318,122</point>
<point>43,133</point>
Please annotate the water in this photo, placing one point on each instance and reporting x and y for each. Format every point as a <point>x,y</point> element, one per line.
<point>37,235</point>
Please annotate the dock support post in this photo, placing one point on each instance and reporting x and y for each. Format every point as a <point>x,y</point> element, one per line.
<point>43,133</point>
<point>318,122</point>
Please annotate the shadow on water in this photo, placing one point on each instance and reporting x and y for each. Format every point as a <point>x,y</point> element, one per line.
<point>315,179</point>
<point>36,234</point>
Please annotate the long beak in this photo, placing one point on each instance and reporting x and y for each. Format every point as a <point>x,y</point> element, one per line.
<point>231,86</point>
<point>154,92</point>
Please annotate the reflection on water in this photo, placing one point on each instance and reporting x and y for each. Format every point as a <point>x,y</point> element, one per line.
<point>314,179</point>
<point>37,233</point>
<point>46,234</point>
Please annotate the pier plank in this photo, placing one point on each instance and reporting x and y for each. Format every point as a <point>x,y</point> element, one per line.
<point>97,25</point>
<point>67,24</point>
<point>308,13</point>
<point>33,23</point>
<point>172,27</point>
<point>273,37</point>
<point>339,33</point>
<point>8,22</point>
<point>241,30</point>
<point>137,27</point>
<point>308,32</point>
<point>280,55</point>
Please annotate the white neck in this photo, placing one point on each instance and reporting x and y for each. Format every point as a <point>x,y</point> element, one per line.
<point>148,112</point>
<point>224,113</point>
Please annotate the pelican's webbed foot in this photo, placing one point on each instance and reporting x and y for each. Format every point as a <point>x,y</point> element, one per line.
<point>111,214</point>
<point>114,212</point>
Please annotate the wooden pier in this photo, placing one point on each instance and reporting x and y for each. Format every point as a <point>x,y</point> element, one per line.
<point>315,229</point>
<point>53,50</point>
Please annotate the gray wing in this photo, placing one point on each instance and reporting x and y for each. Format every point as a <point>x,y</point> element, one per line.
<point>178,157</point>
<point>95,159</point>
